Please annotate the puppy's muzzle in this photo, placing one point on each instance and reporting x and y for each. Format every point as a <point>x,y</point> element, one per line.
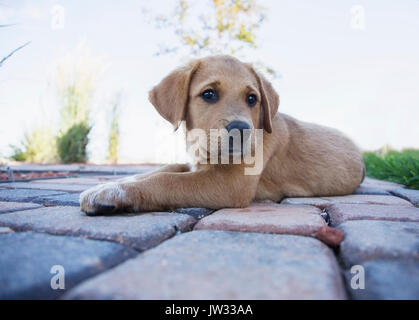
<point>236,131</point>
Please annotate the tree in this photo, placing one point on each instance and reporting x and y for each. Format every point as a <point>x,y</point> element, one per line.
<point>13,51</point>
<point>38,144</point>
<point>226,27</point>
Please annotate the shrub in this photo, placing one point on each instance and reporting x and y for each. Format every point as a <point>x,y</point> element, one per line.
<point>400,167</point>
<point>71,145</point>
<point>37,146</point>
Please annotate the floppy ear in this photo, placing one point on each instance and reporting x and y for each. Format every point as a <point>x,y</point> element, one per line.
<point>270,100</point>
<point>170,97</point>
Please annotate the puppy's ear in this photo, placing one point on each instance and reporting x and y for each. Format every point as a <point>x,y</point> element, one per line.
<point>270,100</point>
<point>170,97</point>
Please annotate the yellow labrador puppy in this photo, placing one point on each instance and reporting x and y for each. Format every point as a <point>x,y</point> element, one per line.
<point>221,95</point>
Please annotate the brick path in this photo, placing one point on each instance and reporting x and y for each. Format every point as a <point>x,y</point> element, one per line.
<point>267,251</point>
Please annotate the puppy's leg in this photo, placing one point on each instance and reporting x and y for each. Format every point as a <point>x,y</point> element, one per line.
<point>162,191</point>
<point>113,187</point>
<point>167,168</point>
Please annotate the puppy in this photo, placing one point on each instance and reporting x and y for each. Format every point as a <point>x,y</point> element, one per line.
<point>298,159</point>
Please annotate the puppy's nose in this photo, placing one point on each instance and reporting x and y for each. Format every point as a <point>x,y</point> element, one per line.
<point>239,125</point>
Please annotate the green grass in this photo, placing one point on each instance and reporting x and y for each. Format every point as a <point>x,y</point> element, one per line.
<point>400,167</point>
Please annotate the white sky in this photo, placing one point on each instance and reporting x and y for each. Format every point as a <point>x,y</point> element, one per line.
<point>363,82</point>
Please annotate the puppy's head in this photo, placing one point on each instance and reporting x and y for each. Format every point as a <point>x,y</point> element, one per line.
<point>217,92</point>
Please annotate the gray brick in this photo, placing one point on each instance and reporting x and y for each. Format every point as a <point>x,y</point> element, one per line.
<point>380,184</point>
<point>384,279</point>
<point>210,264</point>
<point>16,206</point>
<point>37,185</point>
<point>67,199</point>
<point>367,240</point>
<point>17,195</point>
<point>141,231</point>
<point>323,202</point>
<point>4,230</point>
<point>408,194</point>
<point>370,190</point>
<point>343,212</point>
<point>27,258</point>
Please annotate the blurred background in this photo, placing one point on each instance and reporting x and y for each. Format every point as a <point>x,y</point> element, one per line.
<point>74,75</point>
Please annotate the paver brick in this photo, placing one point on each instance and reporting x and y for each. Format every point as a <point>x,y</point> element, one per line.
<point>266,218</point>
<point>4,230</point>
<point>66,199</point>
<point>380,184</point>
<point>140,231</point>
<point>57,187</point>
<point>384,279</point>
<point>370,190</point>
<point>209,264</point>
<point>45,167</point>
<point>22,195</point>
<point>86,168</point>
<point>16,206</point>
<point>343,212</point>
<point>27,258</point>
<point>369,199</point>
<point>323,202</point>
<point>119,169</point>
<point>367,240</point>
<point>79,180</point>
<point>408,194</point>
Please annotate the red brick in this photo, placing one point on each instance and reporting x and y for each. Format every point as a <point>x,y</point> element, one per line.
<point>266,218</point>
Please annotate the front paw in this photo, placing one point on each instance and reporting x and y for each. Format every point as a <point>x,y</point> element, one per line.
<point>103,199</point>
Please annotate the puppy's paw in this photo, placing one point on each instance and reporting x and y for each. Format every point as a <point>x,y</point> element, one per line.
<point>103,199</point>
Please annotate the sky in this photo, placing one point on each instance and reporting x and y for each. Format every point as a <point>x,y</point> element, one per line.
<point>351,65</point>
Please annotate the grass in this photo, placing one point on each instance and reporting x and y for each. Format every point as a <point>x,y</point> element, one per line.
<point>396,166</point>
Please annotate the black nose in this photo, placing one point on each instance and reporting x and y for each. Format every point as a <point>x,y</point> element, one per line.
<point>239,125</point>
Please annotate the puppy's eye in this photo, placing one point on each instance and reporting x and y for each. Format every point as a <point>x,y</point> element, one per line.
<point>209,96</point>
<point>251,100</point>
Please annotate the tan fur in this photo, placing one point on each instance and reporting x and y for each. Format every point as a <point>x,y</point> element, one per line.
<point>299,159</point>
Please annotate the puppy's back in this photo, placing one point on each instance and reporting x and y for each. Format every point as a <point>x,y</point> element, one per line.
<point>319,160</point>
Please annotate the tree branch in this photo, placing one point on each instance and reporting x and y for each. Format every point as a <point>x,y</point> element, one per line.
<point>13,52</point>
